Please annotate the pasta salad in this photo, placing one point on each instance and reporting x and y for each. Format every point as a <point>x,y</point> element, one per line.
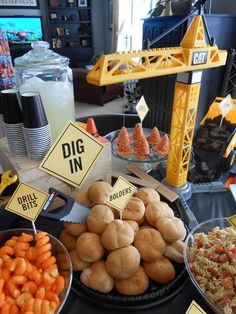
<point>212,261</point>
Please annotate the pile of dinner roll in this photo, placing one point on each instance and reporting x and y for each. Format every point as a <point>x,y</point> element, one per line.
<point>122,254</point>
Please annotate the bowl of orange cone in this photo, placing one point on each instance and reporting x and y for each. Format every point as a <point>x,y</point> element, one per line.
<point>36,272</point>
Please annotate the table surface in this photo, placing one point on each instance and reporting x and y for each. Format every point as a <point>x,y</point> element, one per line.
<point>204,206</point>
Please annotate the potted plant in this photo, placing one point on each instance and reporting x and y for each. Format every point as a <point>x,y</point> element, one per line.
<point>159,8</point>
<point>95,58</point>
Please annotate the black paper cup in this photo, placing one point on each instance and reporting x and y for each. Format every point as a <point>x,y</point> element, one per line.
<point>33,111</point>
<point>11,106</point>
<point>1,104</point>
<point>2,132</point>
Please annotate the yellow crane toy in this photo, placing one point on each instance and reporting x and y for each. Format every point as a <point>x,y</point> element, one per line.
<point>188,60</point>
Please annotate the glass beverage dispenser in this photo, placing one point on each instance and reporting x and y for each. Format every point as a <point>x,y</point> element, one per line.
<point>44,71</point>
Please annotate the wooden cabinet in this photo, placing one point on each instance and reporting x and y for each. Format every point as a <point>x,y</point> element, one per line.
<point>70,30</point>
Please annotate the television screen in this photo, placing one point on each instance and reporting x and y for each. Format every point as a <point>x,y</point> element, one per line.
<point>22,29</point>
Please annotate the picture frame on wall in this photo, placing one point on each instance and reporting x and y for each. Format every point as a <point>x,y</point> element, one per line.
<point>29,4</point>
<point>82,3</point>
<point>53,16</point>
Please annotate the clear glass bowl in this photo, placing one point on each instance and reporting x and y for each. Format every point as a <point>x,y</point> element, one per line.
<point>204,227</point>
<point>58,250</point>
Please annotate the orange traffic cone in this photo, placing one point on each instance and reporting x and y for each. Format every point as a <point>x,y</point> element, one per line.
<point>142,151</point>
<point>138,131</point>
<point>163,147</point>
<point>154,138</point>
<point>123,133</point>
<point>91,127</point>
<point>230,180</point>
<point>123,145</point>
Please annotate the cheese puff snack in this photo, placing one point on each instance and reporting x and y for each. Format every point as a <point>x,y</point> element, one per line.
<point>29,277</point>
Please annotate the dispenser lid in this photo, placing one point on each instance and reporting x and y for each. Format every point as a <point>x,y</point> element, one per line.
<point>40,55</point>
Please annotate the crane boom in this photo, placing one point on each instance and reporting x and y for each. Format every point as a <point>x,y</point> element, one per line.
<point>121,67</point>
<point>193,54</point>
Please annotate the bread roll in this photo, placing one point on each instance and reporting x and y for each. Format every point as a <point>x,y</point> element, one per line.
<point>75,229</point>
<point>82,198</point>
<point>141,221</point>
<point>134,285</point>
<point>89,247</point>
<point>175,251</point>
<point>77,262</point>
<point>134,225</point>
<point>157,210</point>
<point>97,278</point>
<point>150,244</point>
<point>145,223</point>
<point>145,227</point>
<point>116,213</point>
<point>168,212</point>
<point>134,210</point>
<point>148,195</point>
<point>117,234</point>
<point>62,261</point>
<point>98,192</point>
<point>183,231</point>
<point>162,271</point>
<point>172,229</point>
<point>98,219</point>
<point>123,263</point>
<point>68,240</point>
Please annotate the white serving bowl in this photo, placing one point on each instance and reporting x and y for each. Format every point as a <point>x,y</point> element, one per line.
<point>206,275</point>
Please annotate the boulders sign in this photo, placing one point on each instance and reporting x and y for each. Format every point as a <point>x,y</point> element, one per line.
<point>73,155</point>
<point>19,3</point>
<point>120,194</point>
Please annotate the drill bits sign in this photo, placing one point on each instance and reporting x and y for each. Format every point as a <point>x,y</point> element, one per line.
<point>73,155</point>
<point>27,201</point>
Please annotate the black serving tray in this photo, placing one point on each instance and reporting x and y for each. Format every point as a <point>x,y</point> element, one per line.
<point>155,294</point>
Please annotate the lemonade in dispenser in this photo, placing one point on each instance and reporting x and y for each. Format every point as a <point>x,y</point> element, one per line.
<point>46,72</point>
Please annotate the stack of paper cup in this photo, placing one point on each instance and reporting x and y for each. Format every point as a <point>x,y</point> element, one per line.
<point>13,121</point>
<point>36,129</point>
<point>2,131</point>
